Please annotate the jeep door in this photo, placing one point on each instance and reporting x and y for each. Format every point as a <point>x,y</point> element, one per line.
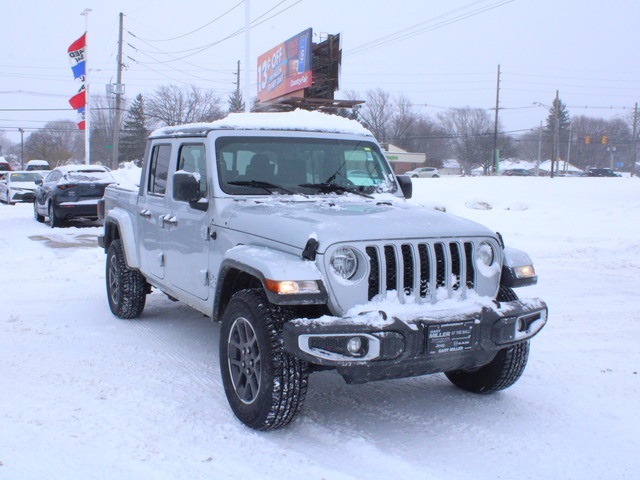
<point>152,210</point>
<point>186,228</point>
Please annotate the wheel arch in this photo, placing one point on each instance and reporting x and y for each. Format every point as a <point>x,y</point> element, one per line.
<point>248,267</point>
<point>118,225</point>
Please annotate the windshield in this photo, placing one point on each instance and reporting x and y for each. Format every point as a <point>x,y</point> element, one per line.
<point>89,176</point>
<point>264,165</point>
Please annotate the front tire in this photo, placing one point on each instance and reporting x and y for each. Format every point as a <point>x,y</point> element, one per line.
<point>39,218</point>
<point>126,288</point>
<point>503,371</point>
<point>265,386</point>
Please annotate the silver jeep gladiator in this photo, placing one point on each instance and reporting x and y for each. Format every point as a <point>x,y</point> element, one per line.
<point>292,230</point>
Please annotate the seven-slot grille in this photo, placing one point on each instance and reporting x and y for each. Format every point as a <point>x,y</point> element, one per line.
<point>419,268</point>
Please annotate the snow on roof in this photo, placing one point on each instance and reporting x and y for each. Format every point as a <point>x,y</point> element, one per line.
<point>558,165</point>
<point>83,167</point>
<point>298,120</point>
<point>450,163</point>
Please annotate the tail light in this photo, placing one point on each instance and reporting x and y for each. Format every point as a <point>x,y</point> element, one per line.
<point>66,186</point>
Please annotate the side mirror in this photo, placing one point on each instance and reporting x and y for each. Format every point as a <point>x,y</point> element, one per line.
<point>39,182</point>
<point>405,185</point>
<point>186,188</point>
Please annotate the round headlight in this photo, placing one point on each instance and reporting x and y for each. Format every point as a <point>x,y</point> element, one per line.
<point>485,253</point>
<point>344,262</point>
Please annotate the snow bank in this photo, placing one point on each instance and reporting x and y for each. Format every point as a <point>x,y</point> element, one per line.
<point>86,395</point>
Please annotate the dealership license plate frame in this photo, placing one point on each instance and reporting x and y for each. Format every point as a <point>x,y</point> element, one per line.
<point>450,337</point>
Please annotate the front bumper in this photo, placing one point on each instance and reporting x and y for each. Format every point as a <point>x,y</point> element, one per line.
<point>22,196</point>
<point>376,346</point>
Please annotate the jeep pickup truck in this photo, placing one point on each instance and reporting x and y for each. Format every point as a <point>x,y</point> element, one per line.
<point>292,231</point>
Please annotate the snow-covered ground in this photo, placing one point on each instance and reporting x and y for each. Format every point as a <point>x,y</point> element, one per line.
<point>84,395</point>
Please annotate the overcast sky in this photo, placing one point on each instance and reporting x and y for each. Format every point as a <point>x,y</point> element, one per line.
<point>438,53</point>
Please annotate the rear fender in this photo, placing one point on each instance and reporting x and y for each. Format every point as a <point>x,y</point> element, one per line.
<point>118,224</point>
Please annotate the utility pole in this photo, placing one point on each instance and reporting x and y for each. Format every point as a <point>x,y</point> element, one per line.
<point>539,149</point>
<point>566,161</point>
<point>496,153</point>
<point>247,50</point>
<point>21,130</point>
<point>238,80</point>
<point>118,91</point>
<point>635,138</point>
<point>555,132</point>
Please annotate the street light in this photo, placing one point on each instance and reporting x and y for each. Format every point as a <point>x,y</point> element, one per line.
<point>612,152</point>
<point>556,150</point>
<point>21,130</point>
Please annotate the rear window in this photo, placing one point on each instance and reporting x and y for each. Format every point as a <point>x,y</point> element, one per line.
<point>89,176</point>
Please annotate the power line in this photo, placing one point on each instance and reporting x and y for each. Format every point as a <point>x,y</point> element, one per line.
<point>400,35</point>
<point>192,31</point>
<point>196,50</point>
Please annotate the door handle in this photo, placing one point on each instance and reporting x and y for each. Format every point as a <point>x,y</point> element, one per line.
<point>145,213</point>
<point>170,219</point>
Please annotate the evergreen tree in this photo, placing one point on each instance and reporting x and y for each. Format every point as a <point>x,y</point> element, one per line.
<point>236,104</point>
<point>135,132</point>
<point>564,120</point>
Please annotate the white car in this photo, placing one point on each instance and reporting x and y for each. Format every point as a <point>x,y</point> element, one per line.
<point>423,172</point>
<point>18,186</point>
<point>42,165</point>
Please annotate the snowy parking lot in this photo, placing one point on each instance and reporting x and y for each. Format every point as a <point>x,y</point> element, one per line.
<point>86,395</point>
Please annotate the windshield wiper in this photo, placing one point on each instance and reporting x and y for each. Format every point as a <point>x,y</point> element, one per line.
<point>334,188</point>
<point>268,186</point>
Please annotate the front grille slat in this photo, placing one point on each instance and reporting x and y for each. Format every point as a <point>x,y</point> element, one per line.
<point>418,269</point>
<point>391,282</point>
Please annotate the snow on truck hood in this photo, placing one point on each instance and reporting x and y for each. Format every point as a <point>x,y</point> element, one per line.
<point>298,120</point>
<point>333,220</point>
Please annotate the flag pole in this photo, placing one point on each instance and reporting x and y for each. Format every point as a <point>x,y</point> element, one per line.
<point>87,108</point>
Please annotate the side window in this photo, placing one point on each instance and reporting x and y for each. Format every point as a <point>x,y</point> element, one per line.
<point>158,169</point>
<point>192,159</point>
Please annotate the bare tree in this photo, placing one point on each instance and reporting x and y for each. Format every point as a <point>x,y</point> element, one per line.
<point>587,147</point>
<point>58,142</point>
<point>403,122</point>
<point>102,121</point>
<point>470,132</point>
<point>171,105</point>
<point>377,113</point>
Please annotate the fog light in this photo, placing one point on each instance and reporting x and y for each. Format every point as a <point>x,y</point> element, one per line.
<point>354,346</point>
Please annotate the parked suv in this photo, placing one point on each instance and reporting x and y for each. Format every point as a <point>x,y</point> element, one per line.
<point>423,172</point>
<point>70,192</point>
<point>601,172</point>
<point>37,165</point>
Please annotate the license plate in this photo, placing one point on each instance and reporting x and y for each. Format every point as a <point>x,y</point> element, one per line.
<point>449,337</point>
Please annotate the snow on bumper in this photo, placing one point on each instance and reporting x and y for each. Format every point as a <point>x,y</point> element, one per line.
<point>375,345</point>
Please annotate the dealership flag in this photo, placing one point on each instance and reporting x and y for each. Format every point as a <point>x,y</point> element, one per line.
<point>76,53</point>
<point>78,57</point>
<point>79,100</point>
<point>81,119</point>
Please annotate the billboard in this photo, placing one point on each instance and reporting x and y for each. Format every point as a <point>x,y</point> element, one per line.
<point>285,68</point>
